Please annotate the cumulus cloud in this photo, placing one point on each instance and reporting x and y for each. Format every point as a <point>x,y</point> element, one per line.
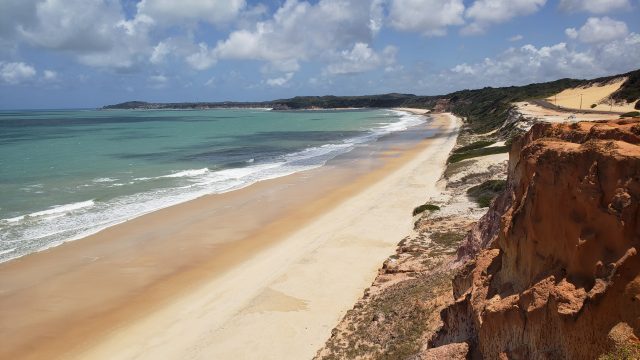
<point>484,13</point>
<point>170,12</point>
<point>280,81</point>
<point>72,25</point>
<point>599,30</point>
<point>203,58</point>
<point>301,31</point>
<point>594,6</point>
<point>50,75</point>
<point>16,72</point>
<point>361,58</point>
<point>529,64</point>
<point>160,52</point>
<point>95,31</point>
<point>429,17</point>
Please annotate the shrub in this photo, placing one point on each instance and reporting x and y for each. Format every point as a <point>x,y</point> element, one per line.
<point>424,207</point>
<point>631,114</point>
<point>473,146</point>
<point>593,105</point>
<point>477,152</point>
<point>484,193</point>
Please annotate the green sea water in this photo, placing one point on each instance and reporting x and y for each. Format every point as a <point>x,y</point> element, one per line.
<point>69,173</point>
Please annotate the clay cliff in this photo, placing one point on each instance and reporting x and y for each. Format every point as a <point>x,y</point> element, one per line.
<point>554,270</point>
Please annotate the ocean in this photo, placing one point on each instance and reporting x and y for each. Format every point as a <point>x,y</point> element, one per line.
<point>66,174</point>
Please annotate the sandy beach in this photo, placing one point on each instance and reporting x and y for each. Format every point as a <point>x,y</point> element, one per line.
<point>268,270</point>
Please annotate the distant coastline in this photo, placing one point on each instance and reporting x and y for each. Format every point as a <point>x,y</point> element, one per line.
<point>485,109</point>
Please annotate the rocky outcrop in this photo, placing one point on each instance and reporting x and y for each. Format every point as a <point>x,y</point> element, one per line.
<point>559,277</point>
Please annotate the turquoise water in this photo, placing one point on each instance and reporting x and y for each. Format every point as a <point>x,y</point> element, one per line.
<point>67,174</point>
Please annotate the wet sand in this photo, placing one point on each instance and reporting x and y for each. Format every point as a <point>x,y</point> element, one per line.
<point>266,270</point>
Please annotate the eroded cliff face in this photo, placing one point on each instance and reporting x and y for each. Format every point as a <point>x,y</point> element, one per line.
<point>556,273</point>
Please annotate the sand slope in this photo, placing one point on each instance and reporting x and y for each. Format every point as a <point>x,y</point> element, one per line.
<point>540,113</point>
<point>594,94</point>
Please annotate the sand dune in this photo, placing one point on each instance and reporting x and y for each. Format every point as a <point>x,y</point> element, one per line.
<point>584,97</point>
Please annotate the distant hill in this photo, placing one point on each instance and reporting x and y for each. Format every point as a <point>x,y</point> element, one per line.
<point>484,109</point>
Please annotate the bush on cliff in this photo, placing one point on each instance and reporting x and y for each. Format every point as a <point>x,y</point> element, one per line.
<point>484,193</point>
<point>424,207</point>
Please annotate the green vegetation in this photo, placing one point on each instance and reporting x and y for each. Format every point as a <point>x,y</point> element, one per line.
<point>631,114</point>
<point>366,101</point>
<point>391,325</point>
<point>593,105</point>
<point>456,157</point>
<point>424,207</point>
<point>445,243</point>
<point>487,109</point>
<point>473,146</point>
<point>483,109</point>
<point>625,352</point>
<point>630,90</point>
<point>484,193</point>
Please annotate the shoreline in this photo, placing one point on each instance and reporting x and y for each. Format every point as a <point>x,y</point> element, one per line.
<point>160,277</point>
<point>116,209</point>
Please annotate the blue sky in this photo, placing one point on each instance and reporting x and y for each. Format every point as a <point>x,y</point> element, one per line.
<point>89,53</point>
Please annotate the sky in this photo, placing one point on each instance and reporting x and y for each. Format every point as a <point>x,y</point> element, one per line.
<point>90,53</point>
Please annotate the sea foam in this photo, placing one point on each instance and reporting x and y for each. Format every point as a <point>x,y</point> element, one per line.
<point>43,229</point>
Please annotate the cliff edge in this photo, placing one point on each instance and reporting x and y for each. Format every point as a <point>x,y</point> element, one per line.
<point>555,270</point>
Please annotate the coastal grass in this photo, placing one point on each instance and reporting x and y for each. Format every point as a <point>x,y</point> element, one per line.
<point>445,242</point>
<point>457,157</point>
<point>390,325</point>
<point>631,114</point>
<point>424,207</point>
<point>474,146</point>
<point>484,193</point>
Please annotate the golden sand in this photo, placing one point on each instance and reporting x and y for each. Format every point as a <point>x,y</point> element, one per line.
<point>267,270</point>
<point>598,94</point>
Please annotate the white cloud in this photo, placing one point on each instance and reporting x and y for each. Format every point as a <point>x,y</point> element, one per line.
<point>211,82</point>
<point>483,13</point>
<point>301,31</point>
<point>571,33</point>
<point>202,59</point>
<point>429,17</point>
<point>376,15</point>
<point>599,30</point>
<point>72,25</point>
<point>50,75</point>
<point>158,81</point>
<point>361,58</point>
<point>594,6</point>
<point>16,72</point>
<point>170,12</point>
<point>280,81</point>
<point>160,52</point>
<point>95,31</point>
<point>528,64</point>
<point>516,38</point>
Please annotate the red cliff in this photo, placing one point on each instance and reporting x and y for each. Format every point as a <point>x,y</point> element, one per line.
<point>555,271</point>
